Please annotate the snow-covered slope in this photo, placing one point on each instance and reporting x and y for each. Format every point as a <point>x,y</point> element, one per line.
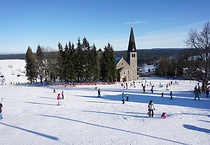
<point>31,116</point>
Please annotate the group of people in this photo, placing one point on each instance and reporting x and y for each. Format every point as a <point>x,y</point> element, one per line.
<point>59,97</point>
<point>151,108</point>
<point>124,97</point>
<point>197,92</point>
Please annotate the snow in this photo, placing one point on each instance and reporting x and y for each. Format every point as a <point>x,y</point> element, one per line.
<point>31,116</point>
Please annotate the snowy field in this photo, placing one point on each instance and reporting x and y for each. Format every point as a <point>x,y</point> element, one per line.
<point>31,116</point>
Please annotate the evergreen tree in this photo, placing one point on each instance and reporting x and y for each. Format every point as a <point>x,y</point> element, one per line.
<point>66,63</point>
<point>71,62</point>
<point>52,65</point>
<point>79,62</point>
<point>40,63</point>
<point>99,63</point>
<point>87,57</point>
<point>31,72</point>
<point>109,72</point>
<point>61,64</point>
<point>94,64</point>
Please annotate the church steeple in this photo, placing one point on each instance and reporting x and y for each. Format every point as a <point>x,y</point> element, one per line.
<point>132,57</point>
<point>131,44</point>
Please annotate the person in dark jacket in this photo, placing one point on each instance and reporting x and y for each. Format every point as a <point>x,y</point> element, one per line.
<point>1,111</point>
<point>123,98</point>
<point>99,93</point>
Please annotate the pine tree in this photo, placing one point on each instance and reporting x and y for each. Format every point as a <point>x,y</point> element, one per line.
<point>71,62</point>
<point>79,62</point>
<point>40,63</point>
<point>31,72</point>
<point>99,57</point>
<point>109,72</point>
<point>61,66</point>
<point>94,64</point>
<point>87,57</point>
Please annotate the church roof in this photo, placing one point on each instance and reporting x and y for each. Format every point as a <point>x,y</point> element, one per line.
<point>131,44</point>
<point>117,59</point>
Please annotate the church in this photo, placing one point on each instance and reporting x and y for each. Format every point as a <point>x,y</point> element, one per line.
<point>127,69</point>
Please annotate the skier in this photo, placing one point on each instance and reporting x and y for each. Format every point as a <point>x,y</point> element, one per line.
<point>54,91</point>
<point>127,98</point>
<point>62,94</point>
<point>58,99</point>
<point>123,98</point>
<point>162,94</point>
<point>144,88</point>
<point>197,95</point>
<point>151,108</point>
<point>99,93</point>
<point>171,95</point>
<point>152,89</point>
<point>1,111</point>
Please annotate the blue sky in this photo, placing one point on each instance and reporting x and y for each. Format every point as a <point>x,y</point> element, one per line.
<point>156,23</point>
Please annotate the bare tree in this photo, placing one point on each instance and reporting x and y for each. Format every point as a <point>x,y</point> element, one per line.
<point>201,40</point>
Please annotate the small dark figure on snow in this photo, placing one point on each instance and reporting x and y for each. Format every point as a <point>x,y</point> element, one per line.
<point>127,98</point>
<point>54,91</point>
<point>99,93</point>
<point>162,94</point>
<point>151,108</point>
<point>144,87</point>
<point>1,111</point>
<point>171,97</point>
<point>62,94</point>
<point>123,98</point>
<point>152,89</point>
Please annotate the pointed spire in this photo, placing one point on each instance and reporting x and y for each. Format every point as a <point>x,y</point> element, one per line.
<point>131,44</point>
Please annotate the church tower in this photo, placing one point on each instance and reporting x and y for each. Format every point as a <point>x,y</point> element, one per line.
<point>132,57</point>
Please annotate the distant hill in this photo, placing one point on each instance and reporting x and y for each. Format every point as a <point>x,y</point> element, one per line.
<point>144,55</point>
<point>151,55</point>
<point>12,56</point>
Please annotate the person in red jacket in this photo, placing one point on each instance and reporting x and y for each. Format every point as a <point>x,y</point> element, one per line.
<point>58,99</point>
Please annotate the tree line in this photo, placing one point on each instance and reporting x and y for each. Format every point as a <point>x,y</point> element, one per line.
<point>83,63</point>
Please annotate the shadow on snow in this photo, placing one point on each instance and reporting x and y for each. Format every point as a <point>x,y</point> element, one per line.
<point>195,128</point>
<point>112,128</point>
<point>30,131</point>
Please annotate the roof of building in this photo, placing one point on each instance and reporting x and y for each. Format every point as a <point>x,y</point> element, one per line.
<point>117,59</point>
